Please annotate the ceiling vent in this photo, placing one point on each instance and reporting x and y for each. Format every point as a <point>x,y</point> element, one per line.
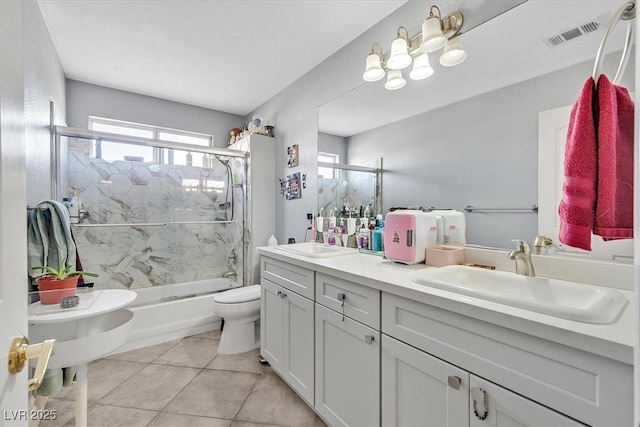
<point>572,33</point>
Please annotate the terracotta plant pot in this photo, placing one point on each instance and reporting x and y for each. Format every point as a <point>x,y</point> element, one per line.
<point>52,291</point>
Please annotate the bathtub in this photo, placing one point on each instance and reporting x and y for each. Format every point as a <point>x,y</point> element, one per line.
<point>168,312</point>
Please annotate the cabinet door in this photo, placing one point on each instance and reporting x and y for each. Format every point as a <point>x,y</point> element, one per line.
<point>505,408</point>
<point>347,370</point>
<point>271,325</point>
<point>298,344</point>
<point>421,390</point>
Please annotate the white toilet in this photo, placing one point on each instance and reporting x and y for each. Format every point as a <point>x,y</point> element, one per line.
<point>240,309</point>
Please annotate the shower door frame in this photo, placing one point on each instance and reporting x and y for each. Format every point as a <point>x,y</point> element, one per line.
<point>71,132</point>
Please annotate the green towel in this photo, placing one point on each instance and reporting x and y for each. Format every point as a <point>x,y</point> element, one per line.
<point>51,382</point>
<point>49,240</point>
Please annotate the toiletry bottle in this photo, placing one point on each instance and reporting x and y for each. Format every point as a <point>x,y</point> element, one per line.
<point>377,239</point>
<point>372,227</point>
<point>367,212</point>
<point>343,229</point>
<point>332,219</point>
<point>189,159</point>
<point>363,237</point>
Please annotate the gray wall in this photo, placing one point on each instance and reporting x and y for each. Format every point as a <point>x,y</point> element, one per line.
<point>294,113</point>
<point>481,152</point>
<point>86,100</point>
<point>43,82</point>
<point>333,144</point>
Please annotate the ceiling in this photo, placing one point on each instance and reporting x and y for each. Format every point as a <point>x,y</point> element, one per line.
<point>505,50</point>
<point>225,55</point>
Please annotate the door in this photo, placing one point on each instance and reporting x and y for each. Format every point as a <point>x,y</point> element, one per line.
<point>13,231</point>
<point>347,370</point>
<point>421,390</point>
<point>492,405</point>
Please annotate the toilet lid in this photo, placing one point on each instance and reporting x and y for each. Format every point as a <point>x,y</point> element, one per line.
<point>243,294</point>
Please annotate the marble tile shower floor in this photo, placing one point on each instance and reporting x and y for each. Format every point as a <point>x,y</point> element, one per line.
<point>184,383</point>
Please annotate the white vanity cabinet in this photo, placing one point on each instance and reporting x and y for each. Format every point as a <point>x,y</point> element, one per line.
<point>421,390</point>
<point>363,351</point>
<point>347,352</point>
<point>286,324</point>
<point>527,380</point>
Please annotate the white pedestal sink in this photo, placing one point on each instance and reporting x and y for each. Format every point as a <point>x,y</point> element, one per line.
<point>93,329</point>
<point>559,298</point>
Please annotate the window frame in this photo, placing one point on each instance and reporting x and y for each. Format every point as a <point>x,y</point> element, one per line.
<point>160,155</point>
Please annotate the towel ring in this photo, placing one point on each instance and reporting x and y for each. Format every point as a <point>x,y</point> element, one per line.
<point>626,12</point>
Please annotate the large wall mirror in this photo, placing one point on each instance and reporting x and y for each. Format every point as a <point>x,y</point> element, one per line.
<point>469,135</point>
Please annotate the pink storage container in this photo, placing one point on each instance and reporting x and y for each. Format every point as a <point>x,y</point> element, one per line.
<point>439,256</point>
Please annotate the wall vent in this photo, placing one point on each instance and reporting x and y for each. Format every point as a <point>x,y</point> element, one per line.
<point>572,33</point>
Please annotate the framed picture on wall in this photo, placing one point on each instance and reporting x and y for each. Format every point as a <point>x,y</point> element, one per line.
<point>292,155</point>
<point>293,189</point>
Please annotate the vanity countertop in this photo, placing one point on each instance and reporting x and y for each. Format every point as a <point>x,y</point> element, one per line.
<point>614,341</point>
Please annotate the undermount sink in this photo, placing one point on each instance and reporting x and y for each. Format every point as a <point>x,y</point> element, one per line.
<point>316,250</point>
<point>559,298</point>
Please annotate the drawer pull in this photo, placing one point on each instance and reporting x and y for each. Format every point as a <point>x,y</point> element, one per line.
<point>480,404</point>
<point>342,297</point>
<point>368,339</point>
<point>279,294</point>
<point>454,382</point>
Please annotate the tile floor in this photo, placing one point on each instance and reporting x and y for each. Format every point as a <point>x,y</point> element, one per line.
<point>185,383</point>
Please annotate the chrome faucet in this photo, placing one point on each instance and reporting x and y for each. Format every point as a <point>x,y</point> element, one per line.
<point>542,244</point>
<point>522,256</point>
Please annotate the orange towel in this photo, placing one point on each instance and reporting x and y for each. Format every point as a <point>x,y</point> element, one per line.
<point>614,204</point>
<point>577,208</point>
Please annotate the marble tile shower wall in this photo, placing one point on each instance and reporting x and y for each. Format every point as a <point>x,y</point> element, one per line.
<point>136,192</point>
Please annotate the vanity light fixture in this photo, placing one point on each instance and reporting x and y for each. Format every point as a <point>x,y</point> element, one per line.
<point>395,80</point>
<point>399,57</point>
<point>453,54</point>
<point>437,32</point>
<point>374,71</point>
<point>432,34</point>
<point>421,67</point>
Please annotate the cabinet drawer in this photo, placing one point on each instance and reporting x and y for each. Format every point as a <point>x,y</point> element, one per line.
<point>360,302</point>
<point>590,388</point>
<point>297,279</point>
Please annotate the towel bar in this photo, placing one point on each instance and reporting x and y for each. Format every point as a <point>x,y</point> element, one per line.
<point>154,224</point>
<point>626,12</point>
<point>532,208</point>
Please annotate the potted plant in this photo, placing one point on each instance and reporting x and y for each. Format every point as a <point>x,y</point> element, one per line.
<point>54,285</point>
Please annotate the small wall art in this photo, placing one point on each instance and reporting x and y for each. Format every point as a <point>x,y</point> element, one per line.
<point>293,187</point>
<point>292,155</point>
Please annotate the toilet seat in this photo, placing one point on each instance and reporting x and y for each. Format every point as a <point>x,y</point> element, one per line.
<point>238,295</point>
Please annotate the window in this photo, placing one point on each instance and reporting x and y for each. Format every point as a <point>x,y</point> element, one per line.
<point>111,151</point>
<point>324,172</point>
